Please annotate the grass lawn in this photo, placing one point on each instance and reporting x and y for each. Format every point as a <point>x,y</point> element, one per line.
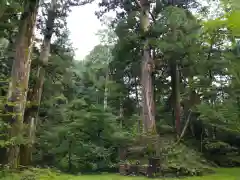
<point>221,174</point>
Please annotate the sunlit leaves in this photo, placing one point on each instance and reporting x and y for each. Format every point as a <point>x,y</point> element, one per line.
<point>233,22</point>
<point>229,20</point>
<point>214,24</point>
<point>232,4</point>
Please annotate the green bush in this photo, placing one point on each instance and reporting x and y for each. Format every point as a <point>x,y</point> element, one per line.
<point>86,139</point>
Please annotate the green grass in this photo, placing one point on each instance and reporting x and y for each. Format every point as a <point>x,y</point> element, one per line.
<point>221,174</point>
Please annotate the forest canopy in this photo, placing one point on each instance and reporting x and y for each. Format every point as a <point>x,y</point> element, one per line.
<point>162,84</point>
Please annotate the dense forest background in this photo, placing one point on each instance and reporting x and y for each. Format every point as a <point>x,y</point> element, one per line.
<point>164,80</point>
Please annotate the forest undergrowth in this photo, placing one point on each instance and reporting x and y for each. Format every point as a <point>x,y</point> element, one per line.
<point>46,174</point>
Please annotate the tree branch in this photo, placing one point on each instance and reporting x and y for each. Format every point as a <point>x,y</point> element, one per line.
<point>140,6</point>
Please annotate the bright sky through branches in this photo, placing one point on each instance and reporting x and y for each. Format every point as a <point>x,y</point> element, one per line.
<point>83,25</point>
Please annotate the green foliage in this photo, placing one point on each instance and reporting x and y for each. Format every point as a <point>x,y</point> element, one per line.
<point>85,140</point>
<point>45,174</point>
<point>180,159</point>
<point>77,134</point>
<point>225,114</point>
<point>28,175</point>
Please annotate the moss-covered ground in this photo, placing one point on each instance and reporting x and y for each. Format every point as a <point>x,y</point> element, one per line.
<point>221,174</point>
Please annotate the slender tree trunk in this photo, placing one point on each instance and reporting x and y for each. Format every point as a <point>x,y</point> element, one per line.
<point>121,112</point>
<point>176,94</point>
<point>185,127</point>
<point>146,73</point>
<point>106,90</point>
<point>35,99</point>
<point>69,156</point>
<point>18,85</point>
<point>2,9</point>
<point>136,91</point>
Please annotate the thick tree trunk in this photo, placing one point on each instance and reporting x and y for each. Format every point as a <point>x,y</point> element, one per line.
<point>147,95</point>
<point>146,74</point>
<point>18,85</point>
<point>176,95</point>
<point>35,99</point>
<point>138,104</point>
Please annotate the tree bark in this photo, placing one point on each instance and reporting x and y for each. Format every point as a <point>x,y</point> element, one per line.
<point>35,99</point>
<point>121,111</point>
<point>138,104</point>
<point>185,127</point>
<point>17,92</point>
<point>146,73</point>
<point>106,90</point>
<point>175,80</point>
<point>2,9</point>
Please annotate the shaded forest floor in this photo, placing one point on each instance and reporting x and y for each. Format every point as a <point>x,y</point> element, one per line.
<point>221,174</point>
